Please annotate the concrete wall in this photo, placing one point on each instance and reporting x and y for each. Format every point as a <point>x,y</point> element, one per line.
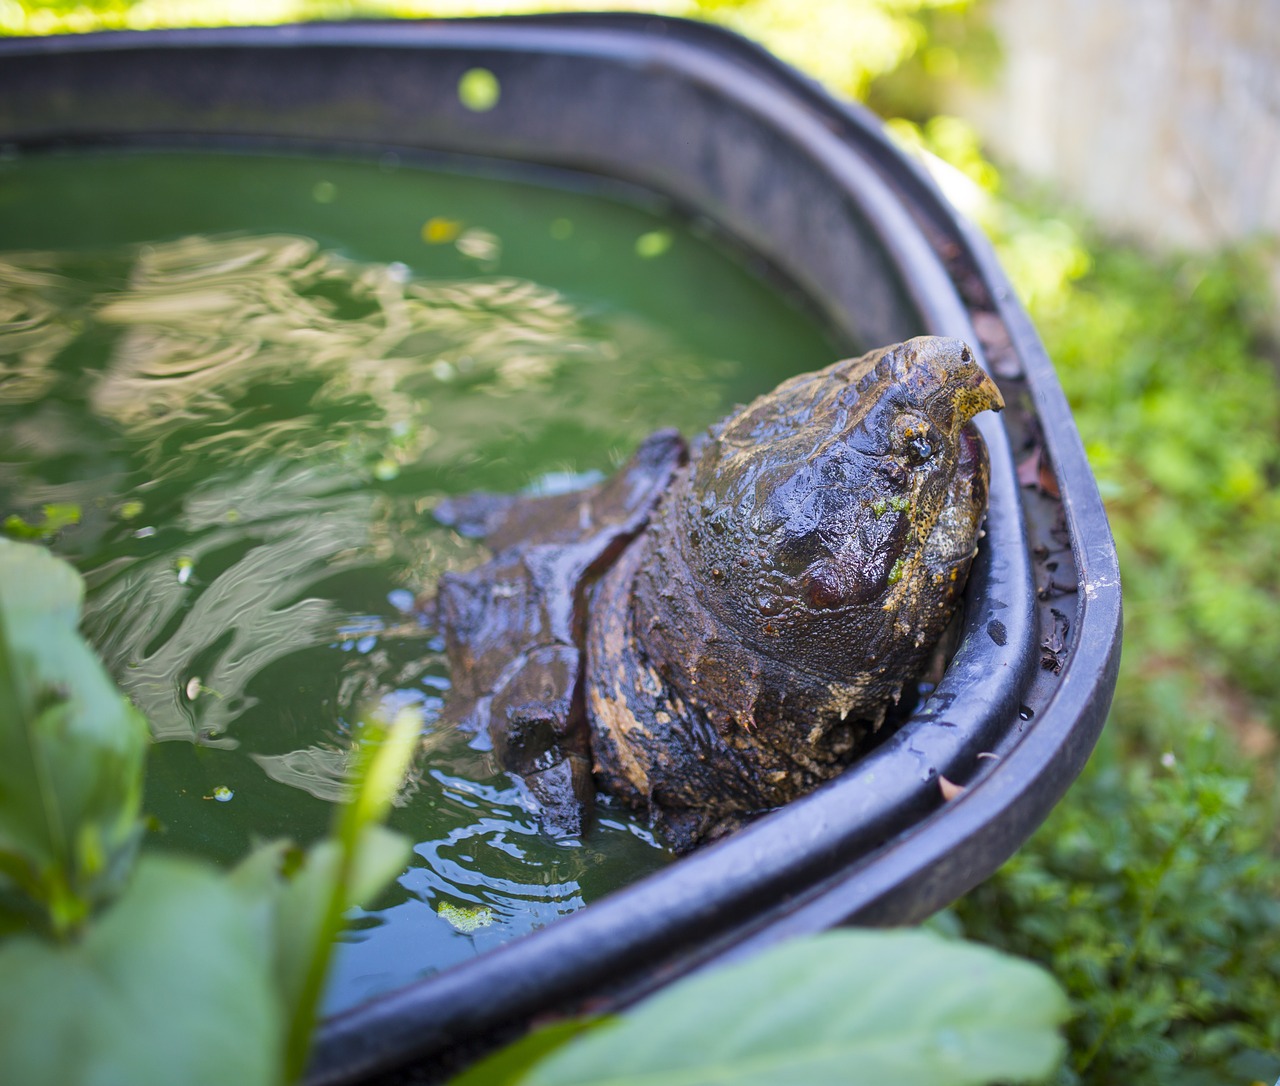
<point>1161,117</point>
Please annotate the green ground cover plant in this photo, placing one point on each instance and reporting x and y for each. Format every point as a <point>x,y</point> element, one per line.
<point>1153,891</point>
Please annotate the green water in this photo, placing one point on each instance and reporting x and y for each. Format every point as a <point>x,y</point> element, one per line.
<point>252,376</point>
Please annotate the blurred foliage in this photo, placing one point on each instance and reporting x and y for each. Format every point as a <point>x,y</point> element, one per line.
<point>1153,895</point>
<point>1152,890</point>
<point>844,43</point>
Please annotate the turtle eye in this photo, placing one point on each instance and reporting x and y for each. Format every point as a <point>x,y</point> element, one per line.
<point>914,438</point>
<point>921,448</point>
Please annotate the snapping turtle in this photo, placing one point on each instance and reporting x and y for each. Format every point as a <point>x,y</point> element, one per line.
<point>714,632</point>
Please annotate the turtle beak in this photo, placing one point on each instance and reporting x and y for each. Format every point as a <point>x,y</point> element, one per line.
<point>966,392</point>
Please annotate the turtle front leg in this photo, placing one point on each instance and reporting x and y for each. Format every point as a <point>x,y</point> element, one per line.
<point>539,732</point>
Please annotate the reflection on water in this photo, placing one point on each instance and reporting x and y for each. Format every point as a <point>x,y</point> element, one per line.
<point>254,429</point>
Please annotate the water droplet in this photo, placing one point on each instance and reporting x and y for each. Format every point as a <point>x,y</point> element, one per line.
<point>184,566</point>
<point>1026,712</point>
<point>324,192</point>
<point>386,469</point>
<point>222,794</point>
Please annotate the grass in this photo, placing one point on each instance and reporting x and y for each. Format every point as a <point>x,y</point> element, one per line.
<point>1153,891</point>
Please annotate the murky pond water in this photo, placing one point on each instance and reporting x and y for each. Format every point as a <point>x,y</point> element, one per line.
<point>243,382</point>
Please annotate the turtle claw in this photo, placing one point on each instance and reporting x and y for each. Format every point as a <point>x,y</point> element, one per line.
<point>565,796</point>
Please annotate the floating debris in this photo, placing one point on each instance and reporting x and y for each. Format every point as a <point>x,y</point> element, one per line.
<point>465,918</point>
<point>479,90</point>
<point>222,794</point>
<point>440,231</point>
<point>654,243</point>
<point>482,246</point>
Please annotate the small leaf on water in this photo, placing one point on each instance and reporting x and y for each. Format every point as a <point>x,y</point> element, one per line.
<point>465,918</point>
<point>440,231</point>
<point>56,516</point>
<point>653,244</point>
<point>846,1008</point>
<point>479,90</point>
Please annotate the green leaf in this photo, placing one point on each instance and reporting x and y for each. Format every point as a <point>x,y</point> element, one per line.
<point>854,1008</point>
<point>171,985</point>
<point>381,762</point>
<point>508,1065</point>
<point>300,900</point>
<point>303,926</point>
<point>71,748</point>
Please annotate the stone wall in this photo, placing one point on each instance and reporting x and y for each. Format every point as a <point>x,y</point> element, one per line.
<point>1160,117</point>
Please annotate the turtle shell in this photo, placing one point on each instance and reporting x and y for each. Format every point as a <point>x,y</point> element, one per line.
<point>710,635</point>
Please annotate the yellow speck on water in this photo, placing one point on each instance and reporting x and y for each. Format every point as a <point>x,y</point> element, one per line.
<point>465,918</point>
<point>130,510</point>
<point>386,469</point>
<point>440,231</point>
<point>324,192</point>
<point>479,90</point>
<point>654,243</point>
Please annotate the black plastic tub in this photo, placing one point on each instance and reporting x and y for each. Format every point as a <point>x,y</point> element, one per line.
<point>811,187</point>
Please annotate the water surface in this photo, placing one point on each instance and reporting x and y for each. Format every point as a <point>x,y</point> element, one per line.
<point>248,379</point>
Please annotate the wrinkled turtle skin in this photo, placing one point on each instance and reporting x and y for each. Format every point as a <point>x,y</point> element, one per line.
<point>708,635</point>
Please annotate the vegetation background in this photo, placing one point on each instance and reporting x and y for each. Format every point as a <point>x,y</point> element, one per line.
<point>1153,892</point>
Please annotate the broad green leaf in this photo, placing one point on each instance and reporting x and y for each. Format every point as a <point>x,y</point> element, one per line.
<point>170,985</point>
<point>71,748</point>
<point>853,1008</point>
<point>382,760</point>
<point>508,1066</point>
<point>300,900</point>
